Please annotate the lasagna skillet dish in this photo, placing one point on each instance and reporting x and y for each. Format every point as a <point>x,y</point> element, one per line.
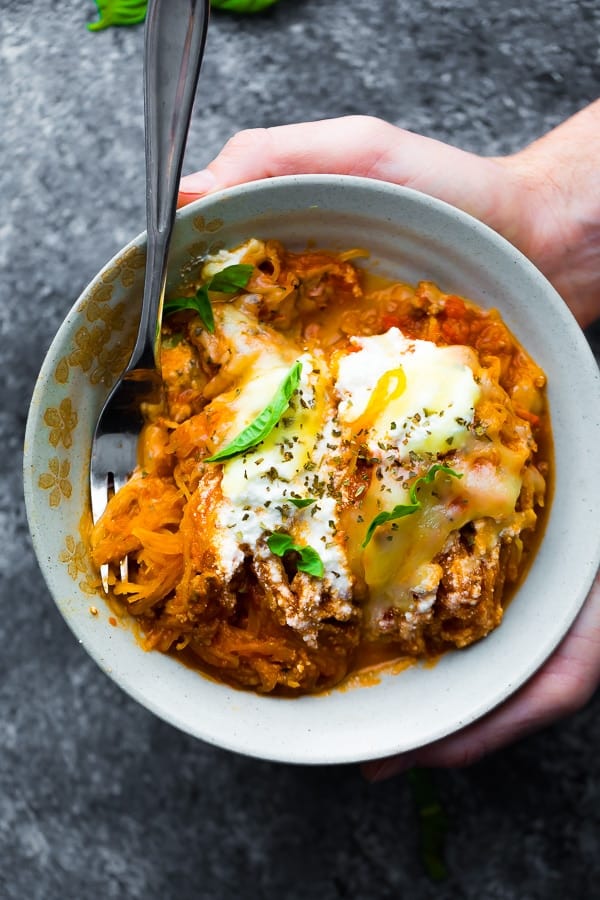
<point>344,471</point>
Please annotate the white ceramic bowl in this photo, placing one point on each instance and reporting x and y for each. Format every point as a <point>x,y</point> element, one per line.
<point>410,236</point>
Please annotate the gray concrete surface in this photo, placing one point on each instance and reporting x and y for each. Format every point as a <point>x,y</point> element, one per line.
<point>99,799</point>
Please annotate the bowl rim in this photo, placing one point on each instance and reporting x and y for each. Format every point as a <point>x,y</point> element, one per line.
<point>258,746</point>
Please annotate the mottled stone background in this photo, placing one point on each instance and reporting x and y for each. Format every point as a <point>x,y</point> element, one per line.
<point>98,798</point>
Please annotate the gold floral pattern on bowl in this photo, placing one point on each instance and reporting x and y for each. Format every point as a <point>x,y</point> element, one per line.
<point>201,224</point>
<point>56,481</point>
<point>62,421</point>
<point>126,267</point>
<point>74,556</point>
<point>100,339</point>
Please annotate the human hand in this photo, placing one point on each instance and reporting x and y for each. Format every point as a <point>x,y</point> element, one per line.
<point>546,201</point>
<point>561,687</point>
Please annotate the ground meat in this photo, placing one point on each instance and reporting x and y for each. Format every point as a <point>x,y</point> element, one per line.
<point>468,600</point>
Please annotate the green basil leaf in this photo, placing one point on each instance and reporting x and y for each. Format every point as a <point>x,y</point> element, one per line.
<point>231,279</point>
<point>199,303</point>
<point>407,509</point>
<point>228,281</point>
<point>265,422</point>
<point>204,310</point>
<point>177,304</point>
<point>300,503</point>
<point>398,512</point>
<point>132,12</point>
<point>309,560</point>
<point>118,12</point>
<point>429,477</point>
<point>243,6</point>
<point>279,543</point>
<point>433,822</point>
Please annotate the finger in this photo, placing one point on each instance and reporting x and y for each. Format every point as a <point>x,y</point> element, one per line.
<point>563,685</point>
<point>348,145</point>
<point>364,146</point>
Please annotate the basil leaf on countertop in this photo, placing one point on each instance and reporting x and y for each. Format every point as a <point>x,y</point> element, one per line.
<point>133,12</point>
<point>242,6</point>
<point>433,822</point>
<point>118,12</point>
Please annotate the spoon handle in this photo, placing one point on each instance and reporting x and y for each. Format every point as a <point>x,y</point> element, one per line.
<point>174,46</point>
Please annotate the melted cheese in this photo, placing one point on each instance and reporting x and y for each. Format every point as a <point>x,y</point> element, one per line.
<point>259,485</point>
<point>409,403</point>
<point>409,395</point>
<point>219,261</point>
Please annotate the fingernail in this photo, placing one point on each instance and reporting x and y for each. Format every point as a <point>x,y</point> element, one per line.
<point>197,183</point>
